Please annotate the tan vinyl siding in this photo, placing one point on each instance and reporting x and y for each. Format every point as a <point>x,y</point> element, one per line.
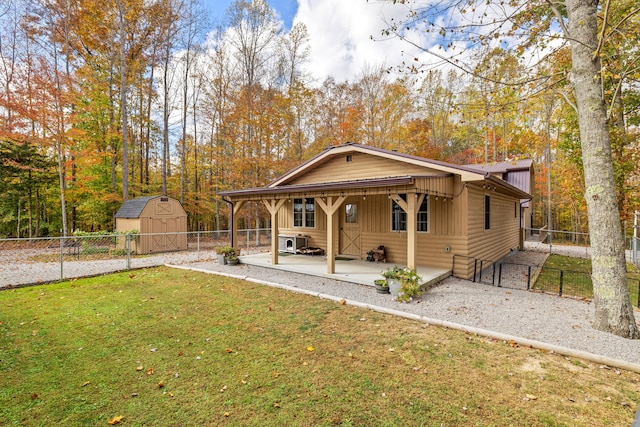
<point>362,166</point>
<point>496,242</point>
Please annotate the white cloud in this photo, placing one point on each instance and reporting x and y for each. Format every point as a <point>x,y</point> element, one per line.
<point>340,37</point>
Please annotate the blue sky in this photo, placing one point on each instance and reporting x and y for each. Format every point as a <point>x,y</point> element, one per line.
<point>340,34</point>
<point>286,9</point>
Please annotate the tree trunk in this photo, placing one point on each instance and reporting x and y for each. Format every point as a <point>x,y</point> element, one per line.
<point>613,311</point>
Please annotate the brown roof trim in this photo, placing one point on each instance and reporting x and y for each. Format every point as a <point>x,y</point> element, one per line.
<point>339,185</point>
<point>508,188</point>
<point>444,167</point>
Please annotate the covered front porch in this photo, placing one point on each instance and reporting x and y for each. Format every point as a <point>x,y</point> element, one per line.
<point>348,270</point>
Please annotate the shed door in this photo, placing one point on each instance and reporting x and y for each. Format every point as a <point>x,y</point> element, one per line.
<point>350,230</point>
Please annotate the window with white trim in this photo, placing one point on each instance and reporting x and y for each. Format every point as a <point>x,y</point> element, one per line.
<point>304,213</point>
<point>399,216</point>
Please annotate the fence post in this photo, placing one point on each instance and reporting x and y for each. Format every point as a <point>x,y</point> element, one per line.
<point>198,250</point>
<point>529,278</point>
<point>475,267</point>
<point>561,280</point>
<point>128,249</point>
<point>61,258</point>
<point>499,275</point>
<point>638,293</point>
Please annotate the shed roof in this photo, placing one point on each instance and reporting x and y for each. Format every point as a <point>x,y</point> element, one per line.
<point>133,208</point>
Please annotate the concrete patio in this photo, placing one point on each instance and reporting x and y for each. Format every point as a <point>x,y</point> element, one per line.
<point>348,270</point>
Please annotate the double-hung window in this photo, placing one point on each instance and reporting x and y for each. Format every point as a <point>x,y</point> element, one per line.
<point>399,216</point>
<point>304,213</point>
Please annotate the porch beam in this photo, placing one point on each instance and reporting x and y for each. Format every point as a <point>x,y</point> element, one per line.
<point>273,206</point>
<point>330,207</point>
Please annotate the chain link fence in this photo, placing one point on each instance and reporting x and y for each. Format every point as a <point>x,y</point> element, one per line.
<point>42,260</point>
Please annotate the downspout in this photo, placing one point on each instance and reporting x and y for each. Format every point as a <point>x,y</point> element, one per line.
<point>232,222</point>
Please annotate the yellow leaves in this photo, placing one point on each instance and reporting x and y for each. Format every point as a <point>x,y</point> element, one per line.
<point>343,302</point>
<point>86,383</point>
<point>310,348</point>
<point>116,420</point>
<point>139,368</point>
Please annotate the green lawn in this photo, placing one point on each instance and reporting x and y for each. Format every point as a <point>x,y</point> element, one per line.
<point>176,348</point>
<point>576,278</point>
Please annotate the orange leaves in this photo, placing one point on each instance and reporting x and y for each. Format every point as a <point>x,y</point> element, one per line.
<point>116,420</point>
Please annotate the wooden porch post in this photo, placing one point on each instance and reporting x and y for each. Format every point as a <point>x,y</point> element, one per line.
<point>411,207</point>
<point>274,207</point>
<point>413,203</point>
<point>330,207</point>
<point>234,230</point>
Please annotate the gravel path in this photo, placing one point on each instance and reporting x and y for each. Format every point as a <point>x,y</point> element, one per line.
<point>550,319</point>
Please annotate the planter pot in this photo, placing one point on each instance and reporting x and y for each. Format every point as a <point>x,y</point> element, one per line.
<point>232,261</point>
<point>394,286</point>
<point>382,289</point>
<point>222,260</point>
<point>381,286</point>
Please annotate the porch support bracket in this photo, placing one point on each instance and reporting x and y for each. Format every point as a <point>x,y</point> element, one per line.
<point>330,207</point>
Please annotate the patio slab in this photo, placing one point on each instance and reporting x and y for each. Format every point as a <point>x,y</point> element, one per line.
<point>348,270</point>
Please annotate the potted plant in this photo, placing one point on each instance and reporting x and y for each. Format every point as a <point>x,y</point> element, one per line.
<point>392,276</point>
<point>224,252</point>
<point>382,287</point>
<point>232,259</point>
<point>409,285</point>
<point>404,283</point>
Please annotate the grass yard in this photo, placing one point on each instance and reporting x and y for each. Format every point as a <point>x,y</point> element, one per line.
<point>576,277</point>
<point>178,348</point>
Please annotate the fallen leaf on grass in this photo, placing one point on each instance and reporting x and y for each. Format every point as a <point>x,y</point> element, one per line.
<point>276,405</point>
<point>226,414</point>
<point>86,383</point>
<point>150,371</point>
<point>310,348</point>
<point>139,368</point>
<point>116,420</point>
<point>34,396</point>
<point>343,302</point>
<point>160,384</point>
<point>513,344</point>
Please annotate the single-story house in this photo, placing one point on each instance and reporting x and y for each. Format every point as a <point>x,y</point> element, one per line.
<point>353,198</point>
